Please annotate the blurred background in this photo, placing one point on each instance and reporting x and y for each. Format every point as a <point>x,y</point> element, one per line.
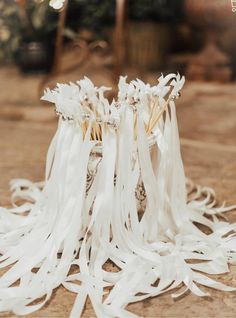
<point>104,38</point>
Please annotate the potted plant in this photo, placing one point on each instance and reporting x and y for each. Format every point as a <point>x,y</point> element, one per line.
<point>9,32</point>
<point>150,31</point>
<point>92,18</point>
<point>31,27</point>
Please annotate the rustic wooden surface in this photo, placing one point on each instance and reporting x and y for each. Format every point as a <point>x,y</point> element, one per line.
<point>207,124</point>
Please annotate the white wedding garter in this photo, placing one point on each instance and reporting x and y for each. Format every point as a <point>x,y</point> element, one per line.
<point>115,208</point>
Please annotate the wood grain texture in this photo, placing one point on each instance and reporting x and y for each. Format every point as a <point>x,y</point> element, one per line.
<point>207,124</point>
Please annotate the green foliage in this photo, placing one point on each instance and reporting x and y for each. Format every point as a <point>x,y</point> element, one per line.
<point>9,31</point>
<point>158,10</point>
<point>95,14</point>
<point>91,14</point>
<point>39,21</point>
<point>36,22</point>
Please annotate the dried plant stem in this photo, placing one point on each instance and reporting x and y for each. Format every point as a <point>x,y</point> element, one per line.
<point>155,121</point>
<point>84,128</point>
<point>153,108</point>
<point>96,132</point>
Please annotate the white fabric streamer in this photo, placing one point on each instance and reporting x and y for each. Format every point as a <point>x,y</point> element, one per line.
<point>115,195</point>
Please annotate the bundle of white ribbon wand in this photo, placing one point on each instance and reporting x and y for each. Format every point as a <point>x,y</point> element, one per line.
<point>115,220</point>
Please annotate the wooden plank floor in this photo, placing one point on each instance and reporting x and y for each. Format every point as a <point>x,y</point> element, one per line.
<point>207,123</point>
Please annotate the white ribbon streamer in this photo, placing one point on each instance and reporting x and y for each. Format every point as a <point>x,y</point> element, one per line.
<point>118,209</point>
